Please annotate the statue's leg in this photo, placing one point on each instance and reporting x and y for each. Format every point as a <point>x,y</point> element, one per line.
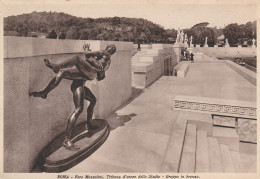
<point>68,73</point>
<point>92,99</point>
<point>83,66</point>
<point>65,64</point>
<point>78,98</point>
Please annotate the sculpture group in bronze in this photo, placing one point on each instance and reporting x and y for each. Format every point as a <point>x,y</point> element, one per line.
<point>79,70</point>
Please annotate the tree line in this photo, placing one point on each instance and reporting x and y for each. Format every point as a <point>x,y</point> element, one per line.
<point>236,34</point>
<point>137,30</point>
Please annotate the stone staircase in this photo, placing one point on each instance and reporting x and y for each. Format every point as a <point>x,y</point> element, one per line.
<point>137,55</point>
<point>196,146</point>
<point>206,154</point>
<point>149,64</point>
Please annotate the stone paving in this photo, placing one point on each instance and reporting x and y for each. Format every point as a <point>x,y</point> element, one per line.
<point>141,129</point>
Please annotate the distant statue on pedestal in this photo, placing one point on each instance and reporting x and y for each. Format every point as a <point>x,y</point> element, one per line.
<point>185,39</point>
<point>191,45</point>
<point>206,42</point>
<point>79,71</point>
<point>181,36</point>
<point>178,36</point>
<point>227,44</point>
<point>253,42</point>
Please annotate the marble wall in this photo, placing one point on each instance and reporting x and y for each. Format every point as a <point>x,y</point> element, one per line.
<point>231,52</point>
<point>31,123</point>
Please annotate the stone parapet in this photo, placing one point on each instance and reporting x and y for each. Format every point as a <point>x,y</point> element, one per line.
<point>228,52</point>
<point>146,46</point>
<point>216,106</point>
<point>246,73</point>
<point>161,46</point>
<point>157,51</point>
<point>15,47</point>
<point>183,69</point>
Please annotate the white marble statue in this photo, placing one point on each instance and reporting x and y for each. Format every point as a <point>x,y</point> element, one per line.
<point>253,42</point>
<point>227,42</point>
<point>185,39</point>
<point>191,41</point>
<point>178,36</point>
<point>206,41</point>
<point>181,36</point>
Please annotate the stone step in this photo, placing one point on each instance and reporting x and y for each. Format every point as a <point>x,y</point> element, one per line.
<point>238,165</point>
<point>215,163</point>
<point>248,148</point>
<point>183,69</point>
<point>203,121</point>
<point>142,67</point>
<point>187,164</point>
<point>227,162</point>
<point>249,162</point>
<point>171,161</point>
<point>202,153</point>
<point>227,136</point>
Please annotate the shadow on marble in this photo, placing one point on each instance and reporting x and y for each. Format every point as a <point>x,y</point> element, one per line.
<point>116,120</point>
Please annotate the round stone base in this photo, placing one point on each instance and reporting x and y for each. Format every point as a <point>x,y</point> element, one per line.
<point>56,158</point>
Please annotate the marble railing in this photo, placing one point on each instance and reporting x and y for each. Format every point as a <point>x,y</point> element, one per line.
<point>216,106</point>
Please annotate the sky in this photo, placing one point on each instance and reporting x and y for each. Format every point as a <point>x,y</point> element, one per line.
<point>165,13</point>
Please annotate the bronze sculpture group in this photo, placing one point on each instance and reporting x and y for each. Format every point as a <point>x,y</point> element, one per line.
<point>79,71</point>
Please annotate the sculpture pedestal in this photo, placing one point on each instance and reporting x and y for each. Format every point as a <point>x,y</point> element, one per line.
<point>177,50</point>
<point>56,158</point>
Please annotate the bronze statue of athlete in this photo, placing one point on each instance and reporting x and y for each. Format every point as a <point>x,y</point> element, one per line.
<point>79,70</point>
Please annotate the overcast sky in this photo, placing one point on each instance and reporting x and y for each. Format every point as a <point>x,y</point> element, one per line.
<point>165,13</point>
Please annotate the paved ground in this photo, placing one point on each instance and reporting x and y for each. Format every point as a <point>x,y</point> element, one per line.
<point>140,130</point>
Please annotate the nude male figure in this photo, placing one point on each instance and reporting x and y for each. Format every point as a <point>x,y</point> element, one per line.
<point>79,71</point>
